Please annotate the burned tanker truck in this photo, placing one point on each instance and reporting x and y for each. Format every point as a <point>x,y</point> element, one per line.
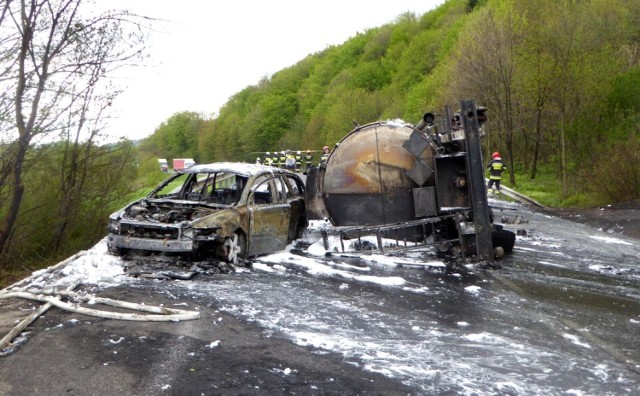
<point>406,187</point>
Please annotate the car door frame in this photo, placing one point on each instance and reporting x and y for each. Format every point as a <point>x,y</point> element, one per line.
<point>268,222</point>
<point>295,197</point>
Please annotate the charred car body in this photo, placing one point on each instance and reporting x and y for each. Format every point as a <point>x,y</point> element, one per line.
<point>226,210</point>
<point>420,185</point>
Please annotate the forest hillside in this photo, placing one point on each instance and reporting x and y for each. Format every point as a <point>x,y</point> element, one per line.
<point>561,81</point>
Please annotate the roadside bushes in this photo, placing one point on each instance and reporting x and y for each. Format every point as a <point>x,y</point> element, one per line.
<point>616,171</point>
<point>67,203</point>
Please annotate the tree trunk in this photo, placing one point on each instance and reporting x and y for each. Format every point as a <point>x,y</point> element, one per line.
<point>12,214</point>
<point>15,201</point>
<point>563,158</point>
<point>536,144</point>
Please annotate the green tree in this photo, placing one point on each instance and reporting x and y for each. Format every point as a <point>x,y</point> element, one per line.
<point>486,69</point>
<point>277,113</point>
<point>177,137</point>
<point>370,76</point>
<point>98,183</point>
<point>348,109</point>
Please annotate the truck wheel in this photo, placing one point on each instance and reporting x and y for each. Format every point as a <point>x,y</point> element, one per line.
<point>503,238</point>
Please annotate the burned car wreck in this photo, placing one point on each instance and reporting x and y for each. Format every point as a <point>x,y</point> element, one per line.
<point>229,211</point>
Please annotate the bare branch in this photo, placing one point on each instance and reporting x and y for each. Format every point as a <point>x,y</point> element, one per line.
<point>54,65</point>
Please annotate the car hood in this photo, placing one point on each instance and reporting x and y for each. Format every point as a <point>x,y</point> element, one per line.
<point>167,211</point>
<point>182,213</point>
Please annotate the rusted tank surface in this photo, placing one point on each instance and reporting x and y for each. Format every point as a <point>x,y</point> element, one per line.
<point>365,180</point>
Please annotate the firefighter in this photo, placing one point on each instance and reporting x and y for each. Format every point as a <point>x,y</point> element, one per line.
<point>298,161</point>
<point>282,159</point>
<point>496,167</point>
<point>308,158</point>
<point>325,156</point>
<point>267,159</point>
<point>258,161</point>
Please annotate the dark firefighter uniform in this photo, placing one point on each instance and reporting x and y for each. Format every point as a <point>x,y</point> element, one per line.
<point>283,159</point>
<point>308,159</point>
<point>496,167</point>
<point>298,161</point>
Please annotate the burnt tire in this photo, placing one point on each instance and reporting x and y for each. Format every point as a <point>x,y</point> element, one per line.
<point>236,247</point>
<point>117,251</point>
<point>503,238</point>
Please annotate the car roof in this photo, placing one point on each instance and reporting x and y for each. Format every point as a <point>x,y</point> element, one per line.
<point>241,168</point>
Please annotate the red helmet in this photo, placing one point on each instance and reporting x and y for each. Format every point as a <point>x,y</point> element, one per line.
<point>495,155</point>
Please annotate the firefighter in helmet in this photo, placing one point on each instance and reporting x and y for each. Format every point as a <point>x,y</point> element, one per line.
<point>282,159</point>
<point>290,159</point>
<point>308,158</point>
<point>298,161</point>
<point>267,159</point>
<point>496,167</point>
<point>325,156</point>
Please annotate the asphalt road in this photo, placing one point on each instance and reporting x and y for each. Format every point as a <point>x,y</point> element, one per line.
<point>94,356</point>
<point>561,317</point>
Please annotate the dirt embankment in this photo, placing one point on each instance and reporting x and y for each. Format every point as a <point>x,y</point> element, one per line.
<point>618,218</point>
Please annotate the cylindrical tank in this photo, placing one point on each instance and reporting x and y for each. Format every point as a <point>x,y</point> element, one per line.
<point>365,181</point>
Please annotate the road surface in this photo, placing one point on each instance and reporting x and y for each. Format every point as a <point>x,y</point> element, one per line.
<point>562,317</point>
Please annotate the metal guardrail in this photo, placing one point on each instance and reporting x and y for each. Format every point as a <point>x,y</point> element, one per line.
<point>519,197</point>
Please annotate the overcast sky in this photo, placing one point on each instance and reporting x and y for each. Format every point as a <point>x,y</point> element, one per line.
<point>209,50</point>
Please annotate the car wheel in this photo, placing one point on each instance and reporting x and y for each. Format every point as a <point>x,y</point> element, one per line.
<point>236,247</point>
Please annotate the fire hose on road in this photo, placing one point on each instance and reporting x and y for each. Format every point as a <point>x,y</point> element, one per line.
<point>53,297</point>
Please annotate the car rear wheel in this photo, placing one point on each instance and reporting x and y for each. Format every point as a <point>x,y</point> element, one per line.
<point>236,247</point>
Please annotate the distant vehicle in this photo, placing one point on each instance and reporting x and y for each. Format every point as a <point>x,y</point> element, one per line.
<point>226,210</point>
<point>164,165</point>
<point>182,163</point>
